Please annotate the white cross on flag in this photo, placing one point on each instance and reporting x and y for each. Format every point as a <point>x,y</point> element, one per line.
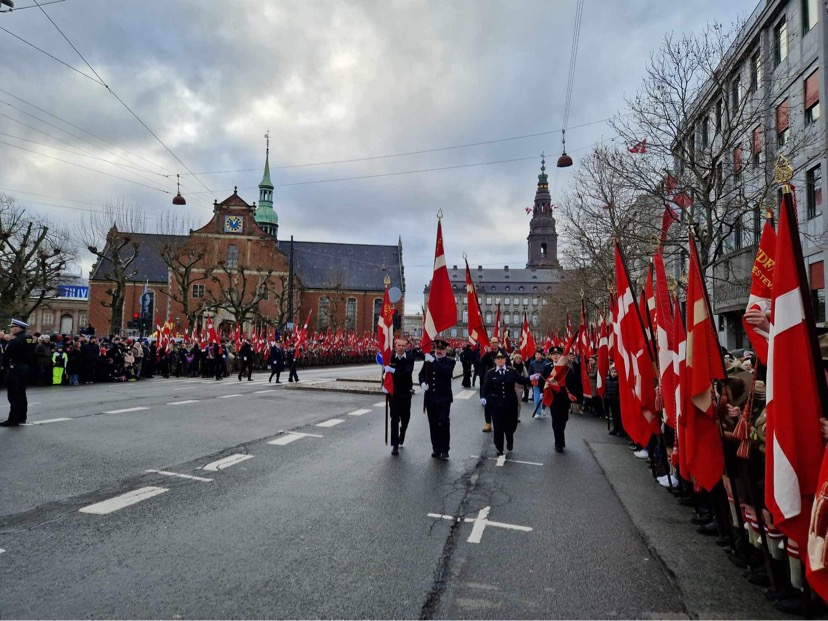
<point>441,312</point>
<point>385,340</point>
<point>527,341</point>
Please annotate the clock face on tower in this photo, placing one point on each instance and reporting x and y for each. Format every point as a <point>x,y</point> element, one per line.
<point>233,224</point>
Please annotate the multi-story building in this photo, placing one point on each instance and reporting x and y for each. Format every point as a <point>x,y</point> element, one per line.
<point>67,312</point>
<point>764,101</point>
<point>515,290</point>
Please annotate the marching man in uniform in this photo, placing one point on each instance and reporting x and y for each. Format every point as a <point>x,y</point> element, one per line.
<point>401,366</point>
<point>499,398</point>
<point>435,380</point>
<point>17,359</point>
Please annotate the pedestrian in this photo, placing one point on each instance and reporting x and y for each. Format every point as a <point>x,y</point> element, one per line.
<point>500,398</point>
<point>73,366</point>
<point>559,408</point>
<point>292,360</point>
<point>536,370</point>
<point>487,363</point>
<point>43,360</point>
<point>59,362</point>
<point>246,360</point>
<point>401,366</point>
<point>435,380</point>
<point>465,361</point>
<point>276,360</point>
<point>612,403</point>
<point>18,358</point>
<point>519,366</point>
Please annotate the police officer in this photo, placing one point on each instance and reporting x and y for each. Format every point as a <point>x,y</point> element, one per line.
<point>246,360</point>
<point>501,401</point>
<point>17,359</point>
<point>435,380</point>
<point>401,366</point>
<point>559,408</point>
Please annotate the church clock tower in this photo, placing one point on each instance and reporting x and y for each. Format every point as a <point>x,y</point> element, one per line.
<point>266,218</point>
<point>543,240</point>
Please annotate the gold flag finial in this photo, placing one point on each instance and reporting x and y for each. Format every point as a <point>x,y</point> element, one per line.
<point>387,280</point>
<point>782,171</point>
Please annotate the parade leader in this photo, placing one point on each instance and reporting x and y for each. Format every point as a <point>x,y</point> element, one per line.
<point>435,380</point>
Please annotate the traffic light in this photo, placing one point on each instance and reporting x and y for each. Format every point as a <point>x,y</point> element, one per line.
<point>135,315</point>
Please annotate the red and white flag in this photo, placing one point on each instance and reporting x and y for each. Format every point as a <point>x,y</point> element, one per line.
<point>477,330</point>
<point>703,441</point>
<point>441,312</point>
<point>639,147</point>
<point>211,332</point>
<point>603,357</point>
<point>497,333</point>
<point>527,341</point>
<point>557,377</point>
<point>385,340</point>
<point>675,201</point>
<point>301,337</point>
<point>584,351</point>
<point>663,326</point>
<point>679,358</point>
<point>761,288</point>
<point>794,388</point>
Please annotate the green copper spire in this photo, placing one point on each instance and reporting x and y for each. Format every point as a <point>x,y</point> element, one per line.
<point>266,218</point>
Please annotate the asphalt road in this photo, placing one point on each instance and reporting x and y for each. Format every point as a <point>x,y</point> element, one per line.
<point>322,525</point>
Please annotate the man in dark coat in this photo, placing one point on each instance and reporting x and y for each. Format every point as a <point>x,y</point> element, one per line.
<point>501,401</point>
<point>487,363</point>
<point>17,358</point>
<point>559,408</point>
<point>276,360</point>
<point>435,380</point>
<point>467,365</point>
<point>246,360</point>
<point>401,366</point>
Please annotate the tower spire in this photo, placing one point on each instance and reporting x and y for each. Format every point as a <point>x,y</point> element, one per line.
<point>266,218</point>
<point>543,240</point>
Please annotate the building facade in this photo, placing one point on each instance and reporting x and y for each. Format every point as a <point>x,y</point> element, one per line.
<point>775,79</point>
<point>66,313</point>
<point>515,290</point>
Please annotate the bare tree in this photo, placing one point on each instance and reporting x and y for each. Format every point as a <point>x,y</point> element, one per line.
<point>184,257</point>
<point>34,254</point>
<point>240,289</point>
<point>110,236</point>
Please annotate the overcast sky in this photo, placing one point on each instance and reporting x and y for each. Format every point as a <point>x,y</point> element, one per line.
<point>331,81</point>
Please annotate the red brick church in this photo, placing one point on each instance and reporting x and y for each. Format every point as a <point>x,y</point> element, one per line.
<point>235,269</point>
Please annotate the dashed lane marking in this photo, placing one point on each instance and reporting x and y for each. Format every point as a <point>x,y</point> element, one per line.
<point>182,476</point>
<point>2,550</point>
<point>185,402</point>
<point>232,460</point>
<point>358,412</point>
<point>330,423</point>
<point>229,396</point>
<point>292,436</point>
<point>261,392</point>
<point>467,394</point>
<point>50,420</point>
<point>380,404</point>
<point>124,500</point>
<point>135,409</point>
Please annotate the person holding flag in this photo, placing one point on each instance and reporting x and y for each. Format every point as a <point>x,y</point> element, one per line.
<point>435,380</point>
<point>400,368</point>
<point>501,402</point>
<point>556,396</point>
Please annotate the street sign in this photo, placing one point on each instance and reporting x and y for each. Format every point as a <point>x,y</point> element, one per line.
<point>379,359</point>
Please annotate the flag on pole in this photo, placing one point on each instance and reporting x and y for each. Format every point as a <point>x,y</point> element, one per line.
<point>477,330</point>
<point>639,148</point>
<point>679,343</point>
<point>584,351</point>
<point>795,390</point>
<point>441,312</point>
<point>496,331</point>
<point>663,326</point>
<point>527,341</point>
<point>603,357</point>
<point>557,377</point>
<point>704,365</point>
<point>301,337</point>
<point>385,340</point>
<point>761,287</point>
<point>675,200</point>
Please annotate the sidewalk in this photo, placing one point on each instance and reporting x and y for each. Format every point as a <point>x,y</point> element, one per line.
<point>709,584</point>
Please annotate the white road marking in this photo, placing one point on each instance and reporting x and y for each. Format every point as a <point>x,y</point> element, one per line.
<point>183,476</point>
<point>2,550</point>
<point>185,402</point>
<point>228,396</point>
<point>261,392</point>
<point>292,436</point>
<point>43,422</point>
<point>514,461</point>
<point>358,412</point>
<point>124,500</point>
<point>330,423</point>
<point>480,523</point>
<point>380,404</point>
<point>141,407</point>
<point>501,460</point>
<point>467,394</point>
<point>221,464</point>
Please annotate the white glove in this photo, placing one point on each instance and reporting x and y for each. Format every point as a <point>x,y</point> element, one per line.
<point>483,401</point>
<point>389,369</point>
<point>535,376</point>
<point>429,358</point>
<point>424,387</point>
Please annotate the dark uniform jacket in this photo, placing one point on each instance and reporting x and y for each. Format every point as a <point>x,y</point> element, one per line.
<point>246,353</point>
<point>402,374</point>
<point>437,375</point>
<point>487,362</point>
<point>277,358</point>
<point>19,353</point>
<point>499,389</point>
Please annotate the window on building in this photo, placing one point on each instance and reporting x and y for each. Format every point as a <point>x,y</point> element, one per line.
<point>83,319</point>
<point>377,311</point>
<point>520,288</point>
<point>719,174</point>
<point>543,250</point>
<point>737,234</point>
<point>454,333</point>
<point>813,187</point>
<point>507,301</point>
<point>488,300</point>
<point>810,11</point>
<point>465,332</point>
<point>489,317</point>
<point>232,257</point>
<point>812,98</point>
<point>780,42</point>
<point>465,316</point>
<point>719,117</point>
<point>783,123</point>
<point>350,313</point>
<point>264,292</point>
<point>816,277</point>
<point>324,309</point>
<point>507,287</point>
<point>735,95</point>
<point>535,319</point>
<point>545,302</point>
<point>506,319</point>
<point>756,147</point>
<point>48,318</point>
<point>535,302</point>
<point>755,71</point>
<point>705,133</point>
<point>198,292</point>
<point>737,163</point>
<point>526,301</point>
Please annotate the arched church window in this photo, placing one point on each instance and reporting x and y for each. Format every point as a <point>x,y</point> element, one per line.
<point>543,249</point>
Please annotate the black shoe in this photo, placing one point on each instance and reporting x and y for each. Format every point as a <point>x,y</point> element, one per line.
<point>394,451</point>
<point>444,455</point>
<point>687,501</point>
<point>9,423</point>
<point>613,433</point>
<point>250,379</point>
<point>738,561</point>
<point>278,382</point>
<point>723,542</point>
<point>499,453</point>
<point>698,520</point>
<point>759,578</point>
<point>270,380</point>
<point>402,439</point>
<point>559,449</point>
<point>239,377</point>
<point>435,454</point>
<point>708,529</point>
<point>510,446</point>
<point>783,593</point>
<point>795,606</point>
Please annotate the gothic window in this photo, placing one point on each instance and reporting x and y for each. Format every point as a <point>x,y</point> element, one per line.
<point>377,311</point>
<point>324,318</point>
<point>232,257</point>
